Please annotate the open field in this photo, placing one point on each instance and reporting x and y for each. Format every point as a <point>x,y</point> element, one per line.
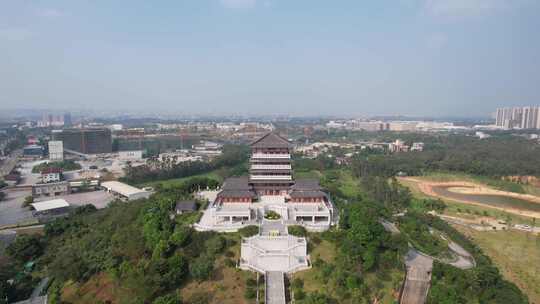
<point>516,254</point>
<point>494,183</point>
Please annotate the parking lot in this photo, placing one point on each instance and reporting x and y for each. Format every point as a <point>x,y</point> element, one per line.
<point>100,199</point>
<point>11,212</point>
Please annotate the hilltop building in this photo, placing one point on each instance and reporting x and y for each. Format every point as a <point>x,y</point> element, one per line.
<point>270,186</point>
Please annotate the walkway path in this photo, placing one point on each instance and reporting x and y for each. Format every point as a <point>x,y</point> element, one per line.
<point>274,287</point>
<point>417,282</point>
<point>420,265</point>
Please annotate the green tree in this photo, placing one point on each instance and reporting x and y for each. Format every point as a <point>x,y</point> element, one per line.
<point>27,201</point>
<point>202,267</point>
<point>25,248</point>
<point>168,299</point>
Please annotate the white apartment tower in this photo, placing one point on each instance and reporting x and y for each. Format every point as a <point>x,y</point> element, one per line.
<point>518,117</point>
<point>56,150</point>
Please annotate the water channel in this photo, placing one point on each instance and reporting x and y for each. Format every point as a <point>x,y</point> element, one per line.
<point>488,199</point>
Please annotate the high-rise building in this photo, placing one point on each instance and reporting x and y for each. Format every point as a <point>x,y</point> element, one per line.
<point>67,120</point>
<point>518,117</point>
<point>86,141</point>
<point>56,150</point>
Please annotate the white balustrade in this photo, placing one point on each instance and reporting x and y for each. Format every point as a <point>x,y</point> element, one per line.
<point>271,167</point>
<point>270,156</point>
<point>270,177</point>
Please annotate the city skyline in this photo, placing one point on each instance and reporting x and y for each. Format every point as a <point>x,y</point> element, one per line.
<point>249,57</point>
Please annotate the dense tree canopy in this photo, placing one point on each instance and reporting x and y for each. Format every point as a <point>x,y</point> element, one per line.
<point>233,156</point>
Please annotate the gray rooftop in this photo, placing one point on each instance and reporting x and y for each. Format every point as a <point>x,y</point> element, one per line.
<point>237,187</point>
<point>186,206</point>
<point>306,184</point>
<point>270,140</point>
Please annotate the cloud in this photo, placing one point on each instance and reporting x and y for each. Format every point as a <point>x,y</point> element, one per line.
<point>468,8</point>
<point>14,34</point>
<point>238,3</point>
<point>49,13</point>
<point>437,41</point>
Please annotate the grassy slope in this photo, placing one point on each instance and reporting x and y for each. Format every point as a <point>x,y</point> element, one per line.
<point>100,287</point>
<point>517,255</point>
<point>227,285</point>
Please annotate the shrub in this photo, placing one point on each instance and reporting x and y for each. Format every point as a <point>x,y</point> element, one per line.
<point>250,293</point>
<point>272,215</point>
<point>168,299</point>
<point>27,201</point>
<point>249,231</point>
<point>297,231</point>
<point>202,267</point>
<point>230,263</point>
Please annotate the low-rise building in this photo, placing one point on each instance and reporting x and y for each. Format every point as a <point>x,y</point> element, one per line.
<point>417,146</point>
<point>51,189</point>
<point>130,155</point>
<point>398,146</point>
<point>125,191</point>
<point>51,175</point>
<point>33,151</point>
<point>185,206</point>
<point>52,207</point>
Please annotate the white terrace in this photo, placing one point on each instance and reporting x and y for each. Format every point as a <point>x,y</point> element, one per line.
<point>231,216</point>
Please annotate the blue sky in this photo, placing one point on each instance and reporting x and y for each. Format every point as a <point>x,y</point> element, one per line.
<point>410,57</point>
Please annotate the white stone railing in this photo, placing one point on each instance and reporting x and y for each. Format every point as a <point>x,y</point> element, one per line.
<point>270,177</point>
<point>271,167</point>
<point>270,156</point>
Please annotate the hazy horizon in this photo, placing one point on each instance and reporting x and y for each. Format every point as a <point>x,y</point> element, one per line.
<point>461,58</point>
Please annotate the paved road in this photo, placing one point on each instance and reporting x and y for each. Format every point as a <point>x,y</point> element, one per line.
<point>418,278</point>
<point>9,163</point>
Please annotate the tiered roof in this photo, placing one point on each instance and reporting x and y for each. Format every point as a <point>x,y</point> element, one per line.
<point>270,140</point>
<point>307,188</point>
<point>237,187</point>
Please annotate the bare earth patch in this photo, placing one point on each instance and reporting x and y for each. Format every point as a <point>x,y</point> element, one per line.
<point>426,188</point>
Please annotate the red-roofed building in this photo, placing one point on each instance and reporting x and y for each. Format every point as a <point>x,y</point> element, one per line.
<point>51,175</point>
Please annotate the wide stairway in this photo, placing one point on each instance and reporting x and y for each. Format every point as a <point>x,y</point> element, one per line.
<point>275,287</point>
